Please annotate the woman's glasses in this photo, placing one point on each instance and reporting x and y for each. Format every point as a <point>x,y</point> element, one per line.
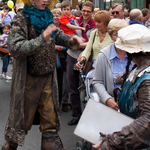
<point>117,12</point>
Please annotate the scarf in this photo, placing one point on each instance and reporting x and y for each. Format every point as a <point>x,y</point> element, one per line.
<point>40,19</point>
<point>90,24</point>
<point>136,22</point>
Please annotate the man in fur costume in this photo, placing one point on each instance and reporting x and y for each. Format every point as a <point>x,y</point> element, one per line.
<point>34,84</point>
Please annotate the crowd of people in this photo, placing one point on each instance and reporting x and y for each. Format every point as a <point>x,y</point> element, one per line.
<point>48,40</point>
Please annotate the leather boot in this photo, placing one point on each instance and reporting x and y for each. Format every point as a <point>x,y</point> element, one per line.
<point>7,146</point>
<point>51,141</point>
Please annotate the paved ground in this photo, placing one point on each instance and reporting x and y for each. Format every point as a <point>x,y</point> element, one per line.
<point>33,139</point>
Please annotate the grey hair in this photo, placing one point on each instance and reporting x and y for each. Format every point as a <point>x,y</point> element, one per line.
<point>116,24</point>
<point>118,4</point>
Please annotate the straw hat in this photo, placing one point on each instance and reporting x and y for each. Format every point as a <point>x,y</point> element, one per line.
<point>134,39</point>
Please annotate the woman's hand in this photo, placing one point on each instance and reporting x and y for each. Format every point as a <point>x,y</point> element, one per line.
<point>78,64</point>
<point>111,103</point>
<point>97,146</point>
<point>48,31</point>
<point>58,47</point>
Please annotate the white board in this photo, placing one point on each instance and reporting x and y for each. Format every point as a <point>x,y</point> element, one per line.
<point>96,118</point>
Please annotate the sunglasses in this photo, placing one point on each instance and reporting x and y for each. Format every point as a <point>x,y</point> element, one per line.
<point>117,12</point>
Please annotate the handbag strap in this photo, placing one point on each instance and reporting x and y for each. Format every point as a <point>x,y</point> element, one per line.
<point>93,41</point>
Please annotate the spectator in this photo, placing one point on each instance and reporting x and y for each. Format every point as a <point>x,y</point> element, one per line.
<point>96,10</point>
<point>110,62</point>
<point>126,16</point>
<point>102,38</point>
<point>86,21</point>
<point>77,7</point>
<point>5,18</point>
<point>126,8</point>
<point>67,19</point>
<point>6,59</point>
<point>1,7</point>
<point>61,56</point>
<point>145,13</point>
<point>118,11</point>
<point>136,17</point>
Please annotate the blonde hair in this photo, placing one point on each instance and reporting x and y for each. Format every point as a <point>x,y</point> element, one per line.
<point>57,11</point>
<point>50,6</point>
<point>116,24</point>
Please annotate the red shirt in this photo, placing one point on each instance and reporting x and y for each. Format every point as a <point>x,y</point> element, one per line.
<point>65,20</point>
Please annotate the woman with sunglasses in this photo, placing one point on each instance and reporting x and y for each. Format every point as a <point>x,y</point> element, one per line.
<point>110,62</point>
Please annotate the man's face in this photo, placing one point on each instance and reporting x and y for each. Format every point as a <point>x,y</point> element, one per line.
<point>66,11</point>
<point>117,13</point>
<point>86,12</point>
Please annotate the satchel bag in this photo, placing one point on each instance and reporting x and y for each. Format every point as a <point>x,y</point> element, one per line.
<point>88,65</point>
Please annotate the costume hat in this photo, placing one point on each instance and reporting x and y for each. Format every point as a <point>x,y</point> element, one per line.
<point>134,39</point>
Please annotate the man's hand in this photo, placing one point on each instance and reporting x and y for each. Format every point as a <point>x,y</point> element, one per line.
<point>48,31</point>
<point>111,103</point>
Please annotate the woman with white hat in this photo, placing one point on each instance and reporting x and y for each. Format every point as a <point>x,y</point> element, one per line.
<point>134,99</point>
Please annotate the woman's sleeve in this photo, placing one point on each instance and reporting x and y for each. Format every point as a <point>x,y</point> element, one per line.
<point>136,135</point>
<point>87,52</point>
<point>99,77</point>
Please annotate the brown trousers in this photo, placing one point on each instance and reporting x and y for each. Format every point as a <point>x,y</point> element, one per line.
<point>38,95</point>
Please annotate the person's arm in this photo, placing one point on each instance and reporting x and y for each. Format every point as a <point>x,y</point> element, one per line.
<point>100,76</point>
<point>87,52</point>
<point>136,135</point>
<point>2,45</point>
<point>2,19</point>
<point>17,42</point>
<point>70,26</point>
<point>69,41</point>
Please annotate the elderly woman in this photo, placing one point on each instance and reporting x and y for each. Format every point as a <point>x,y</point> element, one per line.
<point>110,62</point>
<point>34,84</point>
<point>135,40</point>
<point>99,38</point>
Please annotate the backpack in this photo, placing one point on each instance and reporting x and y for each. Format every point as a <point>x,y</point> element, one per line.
<point>8,15</point>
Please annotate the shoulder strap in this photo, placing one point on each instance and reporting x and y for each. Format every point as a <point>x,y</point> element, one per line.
<point>8,15</point>
<point>94,40</point>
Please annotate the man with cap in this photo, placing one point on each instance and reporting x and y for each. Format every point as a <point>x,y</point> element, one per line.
<point>34,92</point>
<point>134,99</point>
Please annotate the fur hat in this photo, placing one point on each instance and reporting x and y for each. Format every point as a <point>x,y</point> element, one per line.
<point>134,39</point>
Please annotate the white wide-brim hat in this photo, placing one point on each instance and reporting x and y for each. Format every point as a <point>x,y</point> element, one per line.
<point>134,39</point>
